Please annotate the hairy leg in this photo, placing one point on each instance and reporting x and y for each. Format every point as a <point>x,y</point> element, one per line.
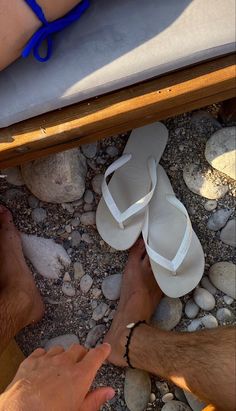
<point>20,302</point>
<point>18,23</point>
<point>201,362</point>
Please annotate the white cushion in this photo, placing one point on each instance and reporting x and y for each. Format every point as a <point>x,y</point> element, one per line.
<point>115,44</point>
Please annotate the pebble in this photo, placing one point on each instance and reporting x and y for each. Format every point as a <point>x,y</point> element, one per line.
<point>100,311</point>
<point>228,234</point>
<point>219,219</point>
<point>68,228</point>
<point>88,207</point>
<point>210,205</point>
<point>224,315</point>
<point>194,402</point>
<point>39,215</point>
<point>33,201</point>
<point>47,257</point>
<point>68,289</point>
<point>202,185</point>
<point>97,183</point>
<point>94,335</point>
<point>87,239</point>
<point>88,218</point>
<point>86,283</point>
<point>152,398</point>
<point>162,387</point>
<point>167,397</point>
<point>209,321</point>
<point>13,193</point>
<point>223,276</point>
<point>75,222</point>
<point>204,299</point>
<point>220,151</point>
<point>45,179</point>
<point>75,238</point>
<point>205,283</point>
<point>78,271</point>
<point>96,292</point>
<point>13,176</point>
<point>137,389</point>
<point>65,341</point>
<point>194,325</point>
<point>89,150</point>
<point>66,277</point>
<point>176,406</point>
<point>88,197</point>
<point>168,313</point>
<point>111,287</point>
<point>228,300</point>
<point>200,118</point>
<point>191,309</point>
<point>112,151</point>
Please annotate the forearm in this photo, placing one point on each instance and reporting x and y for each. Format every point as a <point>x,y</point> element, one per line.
<point>202,362</point>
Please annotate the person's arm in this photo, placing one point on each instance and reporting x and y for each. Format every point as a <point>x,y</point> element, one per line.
<point>18,24</point>
<point>58,380</point>
<point>202,362</point>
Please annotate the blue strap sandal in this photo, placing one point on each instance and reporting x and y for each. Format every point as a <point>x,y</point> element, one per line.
<point>48,28</point>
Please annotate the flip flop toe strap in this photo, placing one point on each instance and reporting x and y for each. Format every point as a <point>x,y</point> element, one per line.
<point>122,217</point>
<point>175,263</point>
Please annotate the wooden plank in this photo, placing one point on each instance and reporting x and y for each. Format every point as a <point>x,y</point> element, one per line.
<point>120,111</point>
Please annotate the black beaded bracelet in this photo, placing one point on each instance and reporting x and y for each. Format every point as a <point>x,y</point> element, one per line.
<point>132,327</point>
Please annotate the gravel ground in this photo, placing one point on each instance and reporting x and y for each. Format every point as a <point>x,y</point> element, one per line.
<point>64,315</point>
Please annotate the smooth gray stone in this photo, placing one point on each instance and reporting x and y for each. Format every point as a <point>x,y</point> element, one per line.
<point>137,389</point>
<point>94,335</point>
<point>194,325</point>
<point>111,287</point>
<point>210,205</point>
<point>39,215</point>
<point>219,219</point>
<point>97,183</point>
<point>224,315</point>
<point>100,311</point>
<point>89,150</point>
<point>86,283</point>
<point>112,151</point>
<point>228,233</point>
<point>58,178</point>
<point>75,238</point>
<point>168,313</point>
<point>68,289</point>
<point>209,321</point>
<point>64,341</point>
<point>191,309</point>
<point>88,197</point>
<point>88,218</point>
<point>33,201</point>
<point>205,283</point>
<point>204,299</point>
<point>228,300</point>
<point>223,276</point>
<point>220,151</point>
<point>176,406</point>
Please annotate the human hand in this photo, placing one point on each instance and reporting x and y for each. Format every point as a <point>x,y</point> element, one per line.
<point>58,380</point>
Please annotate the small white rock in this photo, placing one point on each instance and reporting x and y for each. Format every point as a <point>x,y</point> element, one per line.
<point>167,397</point>
<point>204,299</point>
<point>194,325</point>
<point>152,398</point>
<point>65,341</point>
<point>111,287</point>
<point>210,205</point>
<point>68,289</point>
<point>228,300</point>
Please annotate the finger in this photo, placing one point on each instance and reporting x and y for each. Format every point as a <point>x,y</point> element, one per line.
<point>94,400</point>
<point>37,353</point>
<point>58,349</point>
<point>91,363</point>
<point>76,352</point>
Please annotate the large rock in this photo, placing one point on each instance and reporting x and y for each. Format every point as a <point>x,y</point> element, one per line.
<point>200,183</point>
<point>58,178</point>
<point>220,151</point>
<point>168,313</point>
<point>137,389</point>
<point>223,276</point>
<point>47,257</point>
<point>228,234</point>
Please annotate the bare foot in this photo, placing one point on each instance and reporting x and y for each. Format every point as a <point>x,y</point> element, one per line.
<point>16,281</point>
<point>140,295</point>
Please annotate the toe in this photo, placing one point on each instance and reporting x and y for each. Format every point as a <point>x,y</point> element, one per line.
<point>5,216</point>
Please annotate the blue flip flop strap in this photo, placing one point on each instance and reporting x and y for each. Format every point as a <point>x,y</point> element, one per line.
<point>45,32</point>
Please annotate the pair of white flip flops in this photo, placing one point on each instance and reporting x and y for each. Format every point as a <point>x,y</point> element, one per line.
<point>139,198</point>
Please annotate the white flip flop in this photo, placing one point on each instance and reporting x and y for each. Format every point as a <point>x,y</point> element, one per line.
<point>120,212</point>
<point>175,252</point>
